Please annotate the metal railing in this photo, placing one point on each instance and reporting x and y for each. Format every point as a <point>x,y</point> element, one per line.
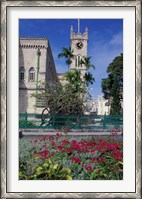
<point>72,122</point>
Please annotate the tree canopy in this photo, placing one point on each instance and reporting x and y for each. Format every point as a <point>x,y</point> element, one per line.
<point>68,97</point>
<point>67,53</point>
<point>112,86</point>
<point>73,75</point>
<point>87,62</point>
<point>62,100</point>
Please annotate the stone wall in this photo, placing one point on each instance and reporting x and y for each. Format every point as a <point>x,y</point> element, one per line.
<point>28,58</point>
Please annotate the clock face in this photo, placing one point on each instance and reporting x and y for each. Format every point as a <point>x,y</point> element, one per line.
<point>79,45</point>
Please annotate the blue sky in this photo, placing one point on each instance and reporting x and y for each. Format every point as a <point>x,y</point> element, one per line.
<point>105,41</point>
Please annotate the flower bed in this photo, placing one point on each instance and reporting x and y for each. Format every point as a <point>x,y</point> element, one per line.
<point>70,158</point>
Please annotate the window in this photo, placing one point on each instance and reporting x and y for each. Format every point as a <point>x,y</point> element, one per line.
<point>32,74</point>
<point>22,73</point>
<point>77,61</point>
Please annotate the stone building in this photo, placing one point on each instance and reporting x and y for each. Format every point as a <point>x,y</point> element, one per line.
<point>94,106</point>
<point>36,63</point>
<point>79,43</point>
<point>102,106</point>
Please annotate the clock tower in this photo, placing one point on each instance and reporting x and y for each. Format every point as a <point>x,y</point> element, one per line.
<point>79,43</point>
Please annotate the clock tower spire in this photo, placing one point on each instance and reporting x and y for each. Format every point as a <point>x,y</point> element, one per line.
<point>79,43</point>
<point>78,26</point>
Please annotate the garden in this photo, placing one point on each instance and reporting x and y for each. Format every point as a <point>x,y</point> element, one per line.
<point>64,157</point>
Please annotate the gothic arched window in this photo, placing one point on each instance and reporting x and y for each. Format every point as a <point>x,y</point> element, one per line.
<point>22,73</point>
<point>77,61</point>
<point>32,74</point>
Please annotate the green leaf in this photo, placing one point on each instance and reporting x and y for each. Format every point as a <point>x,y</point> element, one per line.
<point>39,169</point>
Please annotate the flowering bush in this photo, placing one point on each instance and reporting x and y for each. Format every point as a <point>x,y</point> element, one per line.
<point>47,171</point>
<point>77,158</point>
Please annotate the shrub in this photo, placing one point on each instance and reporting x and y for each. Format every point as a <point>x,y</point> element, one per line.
<point>47,171</point>
<point>88,158</point>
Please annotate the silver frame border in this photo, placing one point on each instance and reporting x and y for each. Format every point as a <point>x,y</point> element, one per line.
<point>124,3</point>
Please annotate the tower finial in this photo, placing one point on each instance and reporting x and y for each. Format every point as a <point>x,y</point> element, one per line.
<point>78,25</point>
<point>71,28</point>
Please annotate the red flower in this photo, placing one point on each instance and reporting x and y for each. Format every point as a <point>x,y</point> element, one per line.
<point>43,138</point>
<point>44,153</point>
<point>73,142</point>
<point>60,147</point>
<point>117,155</point>
<point>99,171</point>
<point>75,159</point>
<point>35,141</point>
<point>111,168</point>
<point>64,142</point>
<point>95,160</point>
<point>59,134</point>
<point>89,168</point>
<point>51,137</point>
<point>53,143</point>
<point>44,146</point>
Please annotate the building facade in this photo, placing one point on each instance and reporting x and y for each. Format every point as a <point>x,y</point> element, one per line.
<point>102,106</point>
<point>36,64</point>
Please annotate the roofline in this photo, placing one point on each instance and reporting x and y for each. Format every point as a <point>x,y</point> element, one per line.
<point>60,73</point>
<point>33,38</point>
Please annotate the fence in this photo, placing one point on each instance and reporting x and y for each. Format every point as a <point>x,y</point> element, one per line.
<point>82,122</point>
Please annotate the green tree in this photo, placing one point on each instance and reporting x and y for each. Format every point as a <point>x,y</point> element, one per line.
<point>87,62</point>
<point>74,79</point>
<point>67,53</point>
<point>72,96</point>
<point>112,86</point>
<point>61,99</point>
<point>88,77</point>
<point>115,104</point>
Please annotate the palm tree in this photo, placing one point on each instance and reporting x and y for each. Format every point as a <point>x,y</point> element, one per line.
<point>73,77</point>
<point>68,54</point>
<point>87,62</point>
<point>89,78</point>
